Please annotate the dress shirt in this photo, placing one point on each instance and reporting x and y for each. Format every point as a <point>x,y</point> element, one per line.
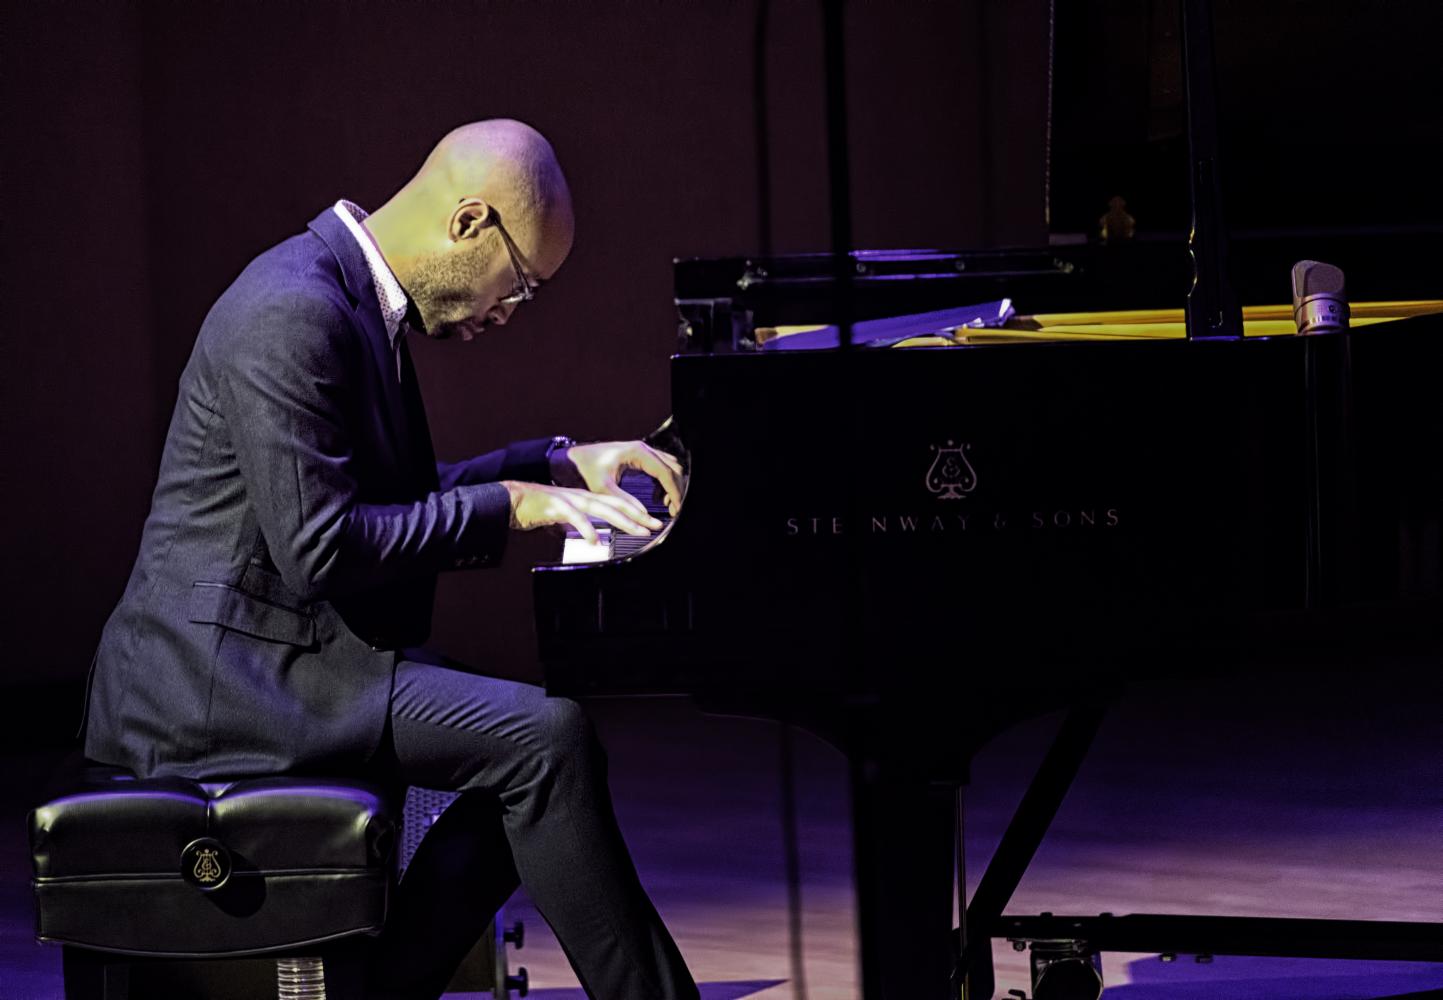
<point>389,293</point>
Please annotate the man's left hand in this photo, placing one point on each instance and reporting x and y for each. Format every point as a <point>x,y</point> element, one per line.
<point>597,466</point>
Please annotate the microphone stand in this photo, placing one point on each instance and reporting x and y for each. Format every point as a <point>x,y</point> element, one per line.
<point>1212,304</point>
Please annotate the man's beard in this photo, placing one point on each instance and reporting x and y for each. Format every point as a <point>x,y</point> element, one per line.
<point>433,276</point>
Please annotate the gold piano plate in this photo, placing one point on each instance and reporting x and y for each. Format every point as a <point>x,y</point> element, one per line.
<point>1134,324</point>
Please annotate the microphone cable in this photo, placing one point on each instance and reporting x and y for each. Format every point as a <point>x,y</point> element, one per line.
<point>786,761</point>
<point>761,126</point>
<point>1047,130</point>
<point>787,766</point>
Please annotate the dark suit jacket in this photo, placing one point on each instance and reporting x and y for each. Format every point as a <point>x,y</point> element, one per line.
<point>293,542</point>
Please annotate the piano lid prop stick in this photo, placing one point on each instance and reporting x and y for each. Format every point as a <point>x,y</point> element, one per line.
<point>891,330</point>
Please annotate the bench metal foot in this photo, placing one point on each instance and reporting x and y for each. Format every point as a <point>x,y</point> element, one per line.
<point>300,978</point>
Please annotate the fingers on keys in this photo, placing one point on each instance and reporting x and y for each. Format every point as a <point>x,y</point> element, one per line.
<point>615,511</point>
<point>633,506</point>
<point>664,468</point>
<point>571,514</point>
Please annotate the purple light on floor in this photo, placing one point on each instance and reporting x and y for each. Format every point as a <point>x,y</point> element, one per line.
<point>1234,977</point>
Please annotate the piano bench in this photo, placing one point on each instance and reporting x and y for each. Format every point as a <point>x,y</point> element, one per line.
<point>172,887</point>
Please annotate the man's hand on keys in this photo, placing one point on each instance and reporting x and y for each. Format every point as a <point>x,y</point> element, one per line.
<point>598,466</point>
<point>534,505</point>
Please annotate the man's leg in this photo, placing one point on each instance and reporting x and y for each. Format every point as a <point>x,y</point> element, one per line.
<point>530,768</point>
<point>458,878</point>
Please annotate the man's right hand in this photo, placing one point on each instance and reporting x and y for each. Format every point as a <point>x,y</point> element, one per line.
<point>535,505</point>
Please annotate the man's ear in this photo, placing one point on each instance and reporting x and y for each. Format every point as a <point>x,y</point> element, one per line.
<point>468,218</point>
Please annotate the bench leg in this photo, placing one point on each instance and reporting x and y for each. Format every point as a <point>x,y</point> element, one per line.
<point>301,978</point>
<point>337,972</point>
<point>93,975</point>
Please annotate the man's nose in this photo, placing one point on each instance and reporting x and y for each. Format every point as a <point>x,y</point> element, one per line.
<point>500,314</point>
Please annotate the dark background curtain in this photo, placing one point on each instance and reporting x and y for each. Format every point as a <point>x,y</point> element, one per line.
<point>151,150</point>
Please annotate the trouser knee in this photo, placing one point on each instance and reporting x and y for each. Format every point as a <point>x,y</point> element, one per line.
<point>568,737</point>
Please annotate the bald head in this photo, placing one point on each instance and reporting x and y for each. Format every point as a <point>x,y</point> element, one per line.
<point>446,232</point>
<point>506,162</point>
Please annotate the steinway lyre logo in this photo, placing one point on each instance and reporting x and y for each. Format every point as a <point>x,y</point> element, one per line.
<point>951,476</point>
<point>205,863</point>
<point>207,866</point>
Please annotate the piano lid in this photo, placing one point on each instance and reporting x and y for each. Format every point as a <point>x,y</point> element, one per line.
<point>1330,144</point>
<point>1326,115</point>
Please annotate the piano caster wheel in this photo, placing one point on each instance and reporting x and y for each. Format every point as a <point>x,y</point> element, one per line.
<point>1065,970</point>
<point>521,983</point>
<point>506,983</point>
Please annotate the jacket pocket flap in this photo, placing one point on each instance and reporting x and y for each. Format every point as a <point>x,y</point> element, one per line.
<point>219,604</point>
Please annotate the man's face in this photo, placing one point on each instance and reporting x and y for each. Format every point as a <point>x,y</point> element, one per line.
<point>462,290</point>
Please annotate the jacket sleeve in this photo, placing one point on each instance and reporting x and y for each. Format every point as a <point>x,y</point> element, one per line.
<point>285,386</point>
<point>519,460</point>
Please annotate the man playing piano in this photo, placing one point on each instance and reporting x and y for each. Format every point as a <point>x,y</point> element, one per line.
<point>289,560</point>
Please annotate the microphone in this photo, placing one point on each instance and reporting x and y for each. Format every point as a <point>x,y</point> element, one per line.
<point>1319,302</point>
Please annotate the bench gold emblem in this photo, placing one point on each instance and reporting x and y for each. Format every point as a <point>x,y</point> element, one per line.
<point>207,865</point>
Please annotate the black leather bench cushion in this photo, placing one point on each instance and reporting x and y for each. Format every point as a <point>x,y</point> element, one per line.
<point>278,824</point>
<point>312,860</point>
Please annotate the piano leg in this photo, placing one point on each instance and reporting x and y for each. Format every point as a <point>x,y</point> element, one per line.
<point>972,973</point>
<point>1020,842</point>
<point>903,849</point>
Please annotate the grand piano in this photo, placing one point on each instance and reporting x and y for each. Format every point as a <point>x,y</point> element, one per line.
<point>1071,466</point>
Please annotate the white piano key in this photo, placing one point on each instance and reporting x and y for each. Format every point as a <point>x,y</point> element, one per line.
<point>578,550</point>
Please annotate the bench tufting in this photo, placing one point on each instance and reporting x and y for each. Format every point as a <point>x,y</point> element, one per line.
<point>179,869</point>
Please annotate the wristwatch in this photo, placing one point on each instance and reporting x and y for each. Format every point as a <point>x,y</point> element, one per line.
<point>558,443</point>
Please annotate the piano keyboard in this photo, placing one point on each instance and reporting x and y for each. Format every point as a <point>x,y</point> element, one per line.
<point>614,544</point>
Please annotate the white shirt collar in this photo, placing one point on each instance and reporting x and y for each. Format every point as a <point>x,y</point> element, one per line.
<point>389,293</point>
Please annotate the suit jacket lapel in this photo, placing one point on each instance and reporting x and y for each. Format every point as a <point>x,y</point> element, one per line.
<point>367,309</point>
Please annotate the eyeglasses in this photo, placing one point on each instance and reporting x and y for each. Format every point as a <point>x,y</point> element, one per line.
<point>525,289</point>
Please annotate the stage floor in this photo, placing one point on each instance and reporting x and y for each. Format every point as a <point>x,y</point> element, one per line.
<point>1294,797</point>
